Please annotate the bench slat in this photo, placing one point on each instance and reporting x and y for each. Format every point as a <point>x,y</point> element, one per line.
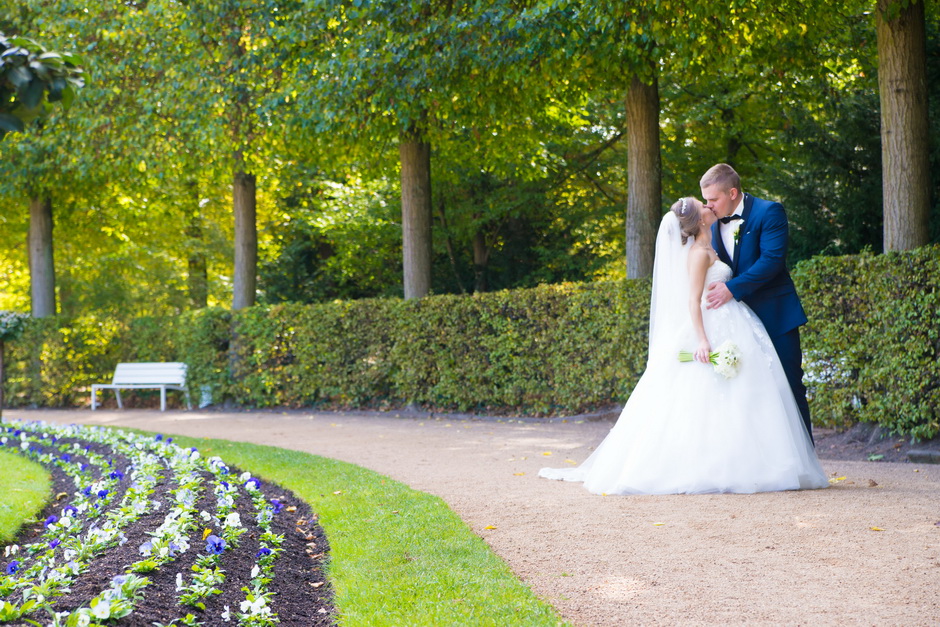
<point>171,373</point>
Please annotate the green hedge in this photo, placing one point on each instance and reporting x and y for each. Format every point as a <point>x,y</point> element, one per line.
<point>871,346</point>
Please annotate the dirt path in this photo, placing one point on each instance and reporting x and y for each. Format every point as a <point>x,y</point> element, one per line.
<point>864,552</point>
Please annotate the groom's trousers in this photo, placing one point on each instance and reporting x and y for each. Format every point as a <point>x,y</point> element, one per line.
<point>791,358</point>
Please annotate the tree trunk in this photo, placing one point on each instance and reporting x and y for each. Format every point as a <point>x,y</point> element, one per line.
<point>481,255</point>
<point>198,274</point>
<point>902,83</point>
<point>643,176</point>
<point>246,240</point>
<point>415,155</point>
<point>41,265</point>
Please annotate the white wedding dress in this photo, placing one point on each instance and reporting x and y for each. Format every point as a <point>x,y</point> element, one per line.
<point>688,429</point>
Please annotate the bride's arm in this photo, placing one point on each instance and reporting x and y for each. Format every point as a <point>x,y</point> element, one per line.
<point>698,266</point>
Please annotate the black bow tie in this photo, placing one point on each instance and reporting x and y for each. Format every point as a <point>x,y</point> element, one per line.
<point>727,219</point>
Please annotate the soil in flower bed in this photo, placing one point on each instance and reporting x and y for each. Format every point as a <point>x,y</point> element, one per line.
<point>302,595</point>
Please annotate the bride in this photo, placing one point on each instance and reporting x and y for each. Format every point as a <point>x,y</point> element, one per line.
<point>686,428</point>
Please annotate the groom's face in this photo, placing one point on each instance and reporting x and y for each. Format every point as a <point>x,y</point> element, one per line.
<point>722,202</point>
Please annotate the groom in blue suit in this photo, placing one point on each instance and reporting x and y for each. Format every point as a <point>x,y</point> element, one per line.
<point>751,236</point>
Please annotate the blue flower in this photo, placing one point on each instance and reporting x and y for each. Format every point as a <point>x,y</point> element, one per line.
<point>70,510</point>
<point>83,467</point>
<point>159,437</point>
<point>254,481</point>
<point>87,491</point>
<point>54,543</point>
<point>102,494</point>
<point>66,457</point>
<point>169,440</point>
<point>50,521</point>
<point>12,567</point>
<point>262,552</point>
<point>215,545</point>
<point>277,506</point>
<point>116,474</point>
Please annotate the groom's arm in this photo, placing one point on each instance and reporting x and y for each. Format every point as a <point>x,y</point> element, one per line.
<point>772,251</point>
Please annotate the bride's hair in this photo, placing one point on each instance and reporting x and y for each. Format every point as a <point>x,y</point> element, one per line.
<point>689,219</point>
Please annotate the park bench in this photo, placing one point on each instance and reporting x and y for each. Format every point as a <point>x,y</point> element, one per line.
<point>145,375</point>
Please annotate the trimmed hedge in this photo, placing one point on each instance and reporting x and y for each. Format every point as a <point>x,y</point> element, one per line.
<point>871,348</point>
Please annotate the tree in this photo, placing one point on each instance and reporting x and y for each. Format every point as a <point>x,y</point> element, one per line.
<point>31,78</point>
<point>902,84</point>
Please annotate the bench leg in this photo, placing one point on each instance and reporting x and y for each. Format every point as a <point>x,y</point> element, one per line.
<point>163,399</point>
<point>94,397</point>
<point>117,393</point>
<point>189,405</point>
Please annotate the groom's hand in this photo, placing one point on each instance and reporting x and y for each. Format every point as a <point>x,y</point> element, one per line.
<point>718,295</point>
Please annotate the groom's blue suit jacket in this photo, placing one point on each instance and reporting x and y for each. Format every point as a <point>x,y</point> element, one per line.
<point>760,276</point>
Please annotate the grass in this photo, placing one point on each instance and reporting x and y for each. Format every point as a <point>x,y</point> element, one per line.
<point>24,491</point>
<point>398,556</point>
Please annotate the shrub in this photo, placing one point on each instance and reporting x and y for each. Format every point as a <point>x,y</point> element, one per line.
<point>872,348</point>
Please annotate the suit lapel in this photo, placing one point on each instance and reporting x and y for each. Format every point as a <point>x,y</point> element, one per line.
<point>719,244</point>
<point>742,229</point>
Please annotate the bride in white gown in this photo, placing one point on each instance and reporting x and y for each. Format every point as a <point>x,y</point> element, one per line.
<point>686,428</point>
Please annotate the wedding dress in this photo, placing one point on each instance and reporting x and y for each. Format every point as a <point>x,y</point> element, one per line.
<point>688,429</point>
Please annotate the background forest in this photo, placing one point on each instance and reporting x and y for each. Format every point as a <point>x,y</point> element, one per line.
<point>205,124</point>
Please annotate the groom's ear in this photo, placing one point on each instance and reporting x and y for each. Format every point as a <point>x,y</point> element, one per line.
<point>734,193</point>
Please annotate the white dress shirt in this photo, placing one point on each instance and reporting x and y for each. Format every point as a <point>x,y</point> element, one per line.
<point>727,230</point>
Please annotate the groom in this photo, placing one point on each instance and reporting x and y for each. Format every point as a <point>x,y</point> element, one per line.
<point>751,237</point>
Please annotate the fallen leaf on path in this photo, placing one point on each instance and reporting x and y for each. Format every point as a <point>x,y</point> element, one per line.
<point>547,453</point>
<point>490,527</point>
<point>872,483</point>
<point>876,528</point>
<point>658,524</point>
<point>518,474</point>
<point>570,461</point>
<point>836,479</point>
<point>316,584</point>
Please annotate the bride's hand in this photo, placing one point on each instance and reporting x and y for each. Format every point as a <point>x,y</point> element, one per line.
<point>703,352</point>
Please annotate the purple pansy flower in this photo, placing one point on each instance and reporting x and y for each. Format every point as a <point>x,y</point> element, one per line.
<point>215,545</point>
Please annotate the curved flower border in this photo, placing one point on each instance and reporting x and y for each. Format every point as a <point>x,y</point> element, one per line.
<point>113,491</point>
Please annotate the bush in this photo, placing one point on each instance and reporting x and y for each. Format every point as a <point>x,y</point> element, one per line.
<point>872,348</point>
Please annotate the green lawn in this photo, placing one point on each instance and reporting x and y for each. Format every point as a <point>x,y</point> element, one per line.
<point>24,491</point>
<point>398,556</point>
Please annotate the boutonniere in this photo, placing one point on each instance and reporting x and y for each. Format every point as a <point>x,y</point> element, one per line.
<point>737,231</point>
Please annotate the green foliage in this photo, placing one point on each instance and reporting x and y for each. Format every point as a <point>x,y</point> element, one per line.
<point>31,78</point>
<point>872,347</point>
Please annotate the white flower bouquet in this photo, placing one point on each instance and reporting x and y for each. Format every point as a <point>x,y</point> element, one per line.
<point>726,360</point>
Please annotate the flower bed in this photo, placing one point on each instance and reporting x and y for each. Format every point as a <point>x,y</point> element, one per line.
<point>143,532</point>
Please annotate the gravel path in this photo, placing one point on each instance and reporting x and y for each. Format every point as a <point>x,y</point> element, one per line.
<point>866,551</point>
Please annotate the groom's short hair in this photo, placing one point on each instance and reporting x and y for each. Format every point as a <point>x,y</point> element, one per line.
<point>722,175</point>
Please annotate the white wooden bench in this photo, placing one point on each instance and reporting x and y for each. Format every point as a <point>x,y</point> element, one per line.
<point>161,376</point>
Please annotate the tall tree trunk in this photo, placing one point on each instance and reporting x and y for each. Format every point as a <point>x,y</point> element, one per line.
<point>481,255</point>
<point>41,264</point>
<point>415,155</point>
<point>246,240</point>
<point>902,83</point>
<point>643,176</point>
<point>198,274</point>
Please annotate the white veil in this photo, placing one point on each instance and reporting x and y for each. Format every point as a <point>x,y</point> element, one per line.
<point>669,308</point>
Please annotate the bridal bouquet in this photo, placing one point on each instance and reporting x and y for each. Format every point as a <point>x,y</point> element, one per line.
<point>726,360</point>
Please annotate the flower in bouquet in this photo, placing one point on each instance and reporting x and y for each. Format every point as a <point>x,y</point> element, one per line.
<point>726,360</point>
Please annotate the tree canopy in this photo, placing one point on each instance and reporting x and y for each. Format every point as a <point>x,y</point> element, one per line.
<point>522,106</point>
